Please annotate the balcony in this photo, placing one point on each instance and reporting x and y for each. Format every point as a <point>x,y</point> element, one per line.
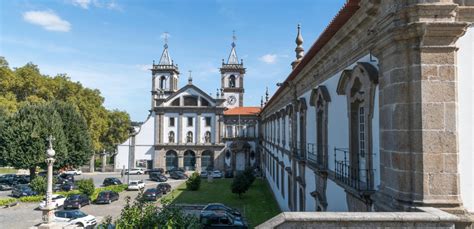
<point>352,175</point>
<point>315,156</point>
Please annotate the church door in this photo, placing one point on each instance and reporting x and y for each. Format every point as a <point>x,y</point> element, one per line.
<point>240,161</point>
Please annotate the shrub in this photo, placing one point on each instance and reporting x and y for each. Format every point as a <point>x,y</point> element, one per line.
<point>31,198</point>
<point>66,194</point>
<point>86,186</point>
<point>7,201</point>
<point>240,184</point>
<point>194,182</point>
<point>39,185</point>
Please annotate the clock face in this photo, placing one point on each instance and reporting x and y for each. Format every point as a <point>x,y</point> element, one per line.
<point>231,100</point>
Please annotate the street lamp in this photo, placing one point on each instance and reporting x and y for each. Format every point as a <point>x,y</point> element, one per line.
<point>48,211</point>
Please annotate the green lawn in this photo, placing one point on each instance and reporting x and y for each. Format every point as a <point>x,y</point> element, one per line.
<point>257,204</point>
<point>7,170</point>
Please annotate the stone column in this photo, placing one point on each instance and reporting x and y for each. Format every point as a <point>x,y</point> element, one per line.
<point>198,161</point>
<point>180,127</point>
<point>160,133</point>
<point>217,129</point>
<point>198,128</point>
<point>92,164</point>
<point>104,161</point>
<point>180,160</point>
<point>417,93</point>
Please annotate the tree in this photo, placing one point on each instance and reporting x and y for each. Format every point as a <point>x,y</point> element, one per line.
<point>86,186</point>
<point>240,184</point>
<point>39,185</point>
<point>24,138</point>
<point>194,182</point>
<point>79,145</point>
<point>118,129</point>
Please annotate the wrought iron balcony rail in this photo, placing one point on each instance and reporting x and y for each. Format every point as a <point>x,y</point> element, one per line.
<point>315,155</point>
<point>358,178</point>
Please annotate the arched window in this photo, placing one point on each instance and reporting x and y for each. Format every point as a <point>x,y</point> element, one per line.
<point>189,137</point>
<point>171,160</point>
<point>189,160</point>
<point>207,160</point>
<point>207,137</point>
<point>162,82</point>
<point>171,137</point>
<point>359,85</point>
<point>231,81</point>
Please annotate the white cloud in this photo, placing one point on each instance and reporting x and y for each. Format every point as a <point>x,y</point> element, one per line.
<point>107,4</point>
<point>48,20</point>
<point>82,3</point>
<point>269,58</point>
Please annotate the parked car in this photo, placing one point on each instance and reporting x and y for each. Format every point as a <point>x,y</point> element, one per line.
<point>218,207</point>
<point>73,172</point>
<point>217,174</point>
<point>134,171</point>
<point>23,190</point>
<point>158,177</point>
<point>175,169</point>
<point>21,179</point>
<point>5,187</point>
<point>106,197</point>
<point>45,173</point>
<point>57,201</point>
<point>151,194</point>
<point>75,217</point>
<point>111,181</point>
<point>178,175</point>
<point>155,170</point>
<point>68,186</point>
<point>163,188</point>
<point>204,174</point>
<point>65,178</point>
<point>136,185</point>
<point>222,220</point>
<point>76,201</point>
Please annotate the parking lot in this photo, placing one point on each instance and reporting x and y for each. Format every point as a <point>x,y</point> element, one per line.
<point>24,215</point>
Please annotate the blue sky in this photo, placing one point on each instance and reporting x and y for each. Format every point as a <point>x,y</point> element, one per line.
<point>109,45</point>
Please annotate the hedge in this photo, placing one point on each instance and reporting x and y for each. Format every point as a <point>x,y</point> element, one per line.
<point>7,201</point>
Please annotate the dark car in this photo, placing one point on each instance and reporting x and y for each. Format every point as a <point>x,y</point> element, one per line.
<point>151,194</point>
<point>76,201</point>
<point>229,174</point>
<point>218,207</point>
<point>178,175</point>
<point>7,182</point>
<point>158,177</point>
<point>68,186</point>
<point>23,190</point>
<point>106,197</point>
<point>65,178</point>
<point>111,181</point>
<point>22,179</point>
<point>222,220</point>
<point>163,188</point>
<point>155,170</point>
<point>174,170</point>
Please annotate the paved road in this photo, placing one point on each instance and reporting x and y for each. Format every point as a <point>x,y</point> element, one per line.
<point>24,215</point>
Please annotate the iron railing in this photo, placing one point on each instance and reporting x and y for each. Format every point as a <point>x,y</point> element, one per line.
<point>315,155</point>
<point>352,175</point>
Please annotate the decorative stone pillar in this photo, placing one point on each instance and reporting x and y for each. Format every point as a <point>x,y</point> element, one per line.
<point>48,210</point>
<point>180,160</point>
<point>104,160</point>
<point>198,128</point>
<point>418,138</point>
<point>180,128</point>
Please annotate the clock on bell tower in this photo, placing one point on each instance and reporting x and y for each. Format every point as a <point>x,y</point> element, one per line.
<point>232,79</point>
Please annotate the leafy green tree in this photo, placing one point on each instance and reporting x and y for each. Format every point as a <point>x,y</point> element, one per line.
<point>24,138</point>
<point>86,186</point>
<point>79,145</point>
<point>118,129</point>
<point>240,184</point>
<point>38,184</point>
<point>248,173</point>
<point>194,182</point>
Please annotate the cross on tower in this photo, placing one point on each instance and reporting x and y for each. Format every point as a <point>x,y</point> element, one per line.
<point>234,38</point>
<point>50,139</point>
<point>165,38</point>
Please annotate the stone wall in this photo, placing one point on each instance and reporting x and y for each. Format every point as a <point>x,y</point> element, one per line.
<point>423,218</point>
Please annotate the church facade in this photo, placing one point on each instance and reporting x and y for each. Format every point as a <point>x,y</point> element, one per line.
<point>187,128</point>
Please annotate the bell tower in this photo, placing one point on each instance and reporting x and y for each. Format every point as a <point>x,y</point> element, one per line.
<point>232,79</point>
<point>165,75</point>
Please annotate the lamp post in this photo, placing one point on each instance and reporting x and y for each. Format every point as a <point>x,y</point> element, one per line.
<point>48,211</point>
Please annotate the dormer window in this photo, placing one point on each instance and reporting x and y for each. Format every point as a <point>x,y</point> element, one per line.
<point>232,81</point>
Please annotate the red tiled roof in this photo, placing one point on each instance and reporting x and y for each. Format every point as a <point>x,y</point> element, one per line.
<point>243,111</point>
<point>344,14</point>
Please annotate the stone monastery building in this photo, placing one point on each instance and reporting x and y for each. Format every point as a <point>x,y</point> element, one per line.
<point>377,116</point>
